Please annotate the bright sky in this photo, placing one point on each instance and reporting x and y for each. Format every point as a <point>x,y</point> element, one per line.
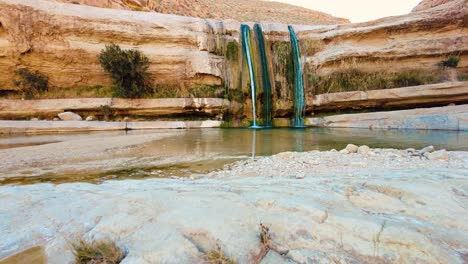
<point>358,10</point>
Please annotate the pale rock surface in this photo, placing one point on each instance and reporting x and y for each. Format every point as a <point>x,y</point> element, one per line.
<point>69,116</point>
<point>91,118</point>
<point>385,213</point>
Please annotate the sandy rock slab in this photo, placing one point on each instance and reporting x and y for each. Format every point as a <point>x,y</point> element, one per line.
<point>378,216</point>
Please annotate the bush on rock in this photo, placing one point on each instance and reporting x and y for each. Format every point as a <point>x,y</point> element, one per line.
<point>128,70</point>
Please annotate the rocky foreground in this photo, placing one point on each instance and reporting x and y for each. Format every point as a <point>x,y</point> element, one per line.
<point>357,205</point>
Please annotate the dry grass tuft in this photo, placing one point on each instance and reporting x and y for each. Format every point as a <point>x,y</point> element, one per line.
<point>217,257</point>
<point>266,245</point>
<point>97,252</point>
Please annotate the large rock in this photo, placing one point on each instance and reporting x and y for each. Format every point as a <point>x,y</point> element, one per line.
<point>11,109</point>
<point>414,96</point>
<point>436,118</point>
<point>70,116</point>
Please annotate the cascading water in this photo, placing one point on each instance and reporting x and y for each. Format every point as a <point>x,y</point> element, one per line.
<point>299,100</point>
<point>267,94</point>
<point>245,31</point>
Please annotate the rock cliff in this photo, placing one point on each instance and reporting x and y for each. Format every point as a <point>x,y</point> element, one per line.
<point>63,42</point>
<point>243,10</point>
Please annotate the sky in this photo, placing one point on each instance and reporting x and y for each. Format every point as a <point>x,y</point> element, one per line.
<point>358,10</point>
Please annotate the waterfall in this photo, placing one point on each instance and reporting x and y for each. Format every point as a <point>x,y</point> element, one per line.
<point>299,100</point>
<point>245,32</point>
<point>267,94</point>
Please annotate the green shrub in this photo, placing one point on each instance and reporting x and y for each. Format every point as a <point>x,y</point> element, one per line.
<point>31,83</point>
<point>97,252</point>
<point>463,76</point>
<point>235,95</point>
<point>451,62</point>
<point>357,80</point>
<point>128,70</point>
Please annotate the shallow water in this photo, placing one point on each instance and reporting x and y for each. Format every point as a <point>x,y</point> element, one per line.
<point>199,151</point>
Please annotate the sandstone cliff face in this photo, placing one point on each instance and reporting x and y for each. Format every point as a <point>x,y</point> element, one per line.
<point>426,4</point>
<point>243,10</point>
<point>63,42</point>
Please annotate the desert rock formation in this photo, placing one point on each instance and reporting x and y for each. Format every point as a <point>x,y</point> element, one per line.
<point>63,41</point>
<point>426,4</point>
<point>242,10</point>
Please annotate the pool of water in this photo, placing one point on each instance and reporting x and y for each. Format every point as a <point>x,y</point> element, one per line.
<point>186,152</point>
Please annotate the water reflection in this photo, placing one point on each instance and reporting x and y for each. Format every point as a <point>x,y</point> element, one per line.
<point>199,151</point>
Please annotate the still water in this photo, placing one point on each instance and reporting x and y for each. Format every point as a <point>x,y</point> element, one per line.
<point>187,152</point>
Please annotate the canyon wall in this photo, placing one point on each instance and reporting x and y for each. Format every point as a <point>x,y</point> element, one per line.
<point>63,41</point>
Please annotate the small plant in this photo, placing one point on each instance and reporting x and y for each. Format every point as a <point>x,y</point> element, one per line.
<point>208,91</point>
<point>106,111</point>
<point>97,252</point>
<point>451,62</point>
<point>128,70</point>
<point>232,51</point>
<point>217,257</point>
<point>353,79</point>
<point>31,83</point>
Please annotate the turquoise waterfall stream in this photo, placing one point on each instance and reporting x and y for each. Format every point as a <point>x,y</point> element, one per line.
<point>299,100</point>
<point>267,94</point>
<point>245,31</point>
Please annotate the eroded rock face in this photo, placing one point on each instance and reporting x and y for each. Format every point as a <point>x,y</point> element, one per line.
<point>427,4</point>
<point>64,40</point>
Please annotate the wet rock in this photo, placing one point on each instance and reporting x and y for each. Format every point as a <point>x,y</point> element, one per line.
<point>351,148</point>
<point>427,149</point>
<point>69,116</point>
<point>437,155</point>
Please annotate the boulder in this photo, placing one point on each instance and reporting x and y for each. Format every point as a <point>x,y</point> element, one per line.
<point>363,150</point>
<point>69,116</point>
<point>351,148</point>
<point>90,118</point>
